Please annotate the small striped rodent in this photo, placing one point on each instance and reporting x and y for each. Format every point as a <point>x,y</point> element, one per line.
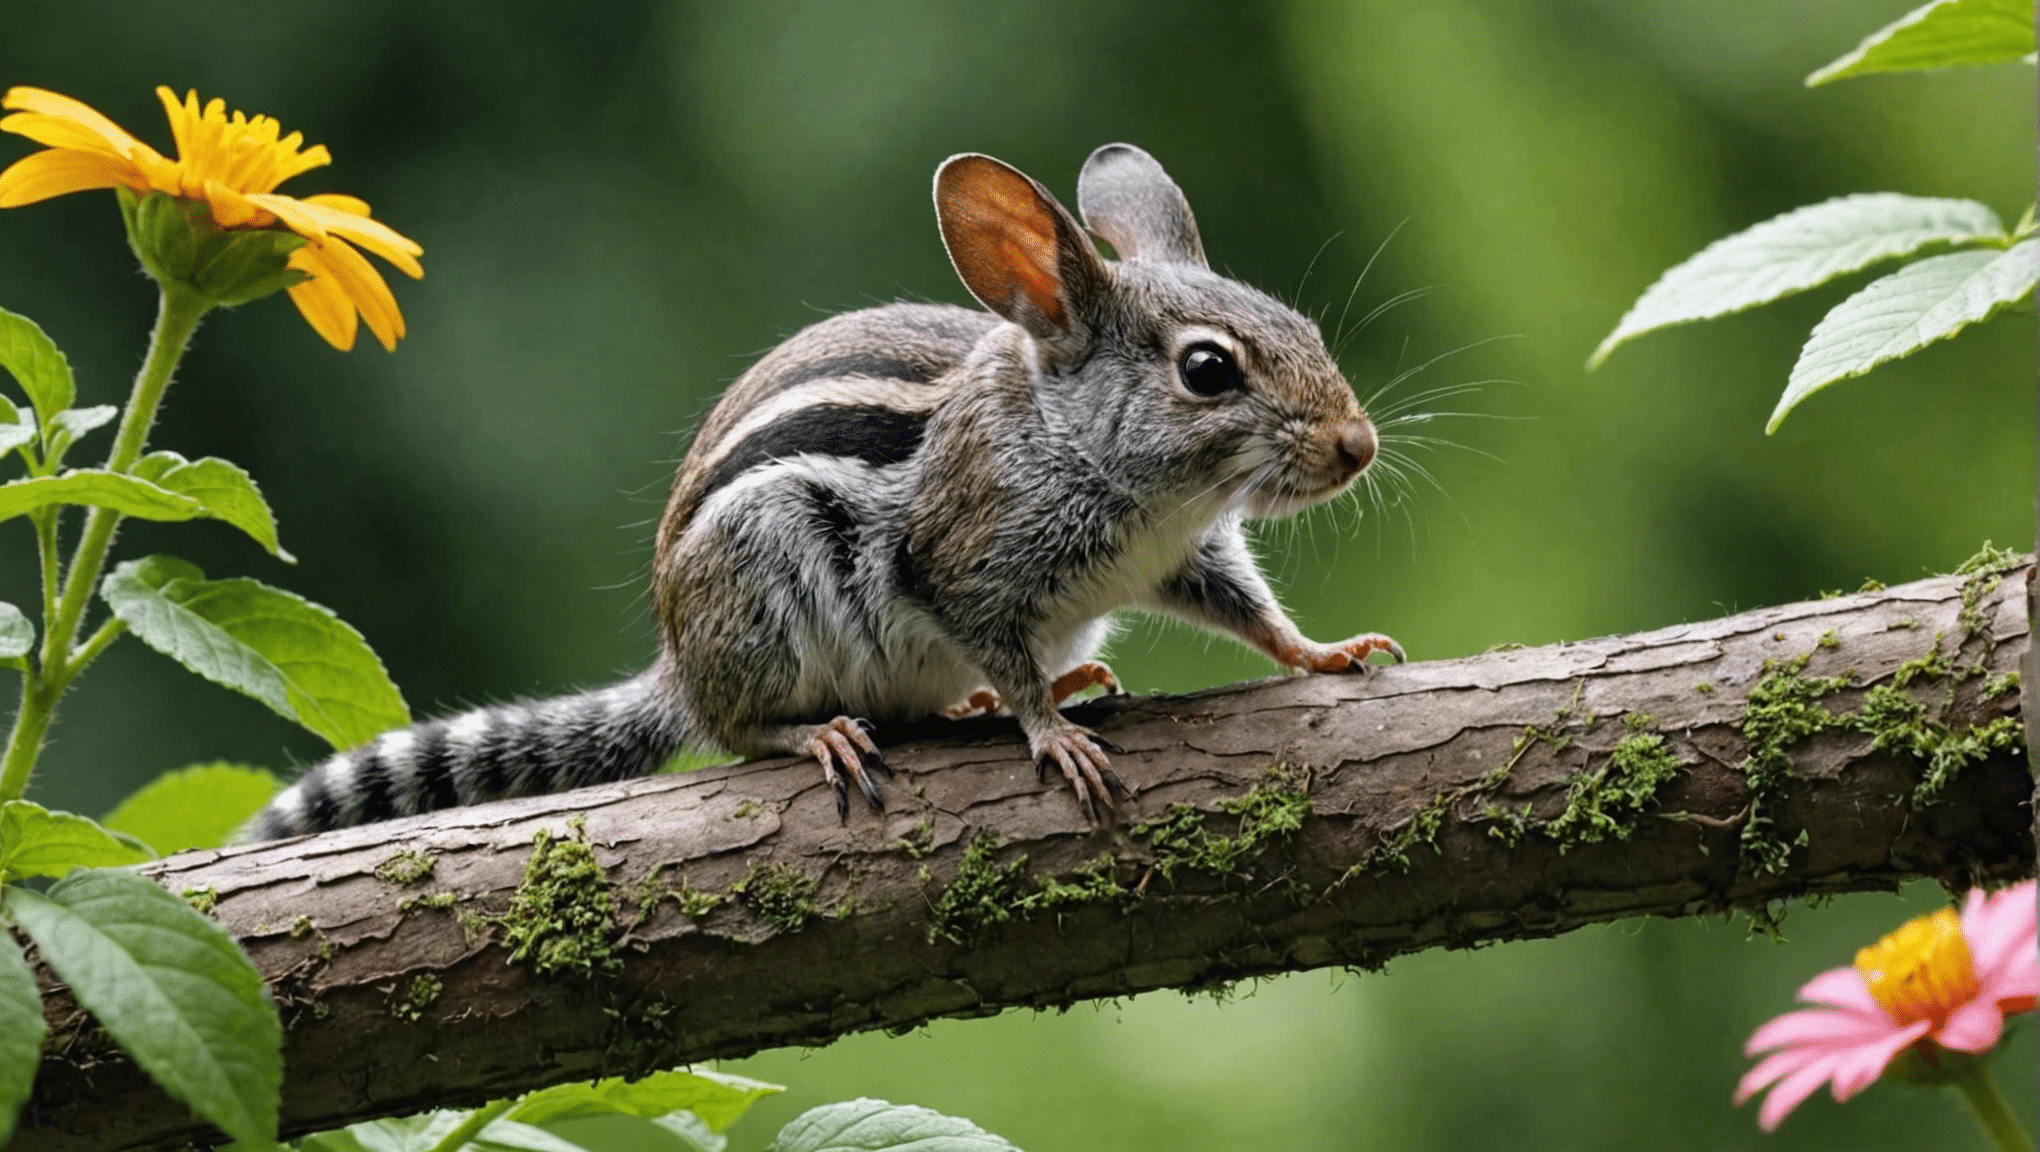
<point>918,508</point>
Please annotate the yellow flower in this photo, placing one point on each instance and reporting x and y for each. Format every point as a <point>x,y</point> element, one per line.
<point>233,166</point>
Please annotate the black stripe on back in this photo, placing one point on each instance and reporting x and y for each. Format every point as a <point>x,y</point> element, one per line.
<point>432,770</point>
<point>372,786</point>
<point>877,436</point>
<point>839,530</point>
<point>321,813</point>
<point>855,364</point>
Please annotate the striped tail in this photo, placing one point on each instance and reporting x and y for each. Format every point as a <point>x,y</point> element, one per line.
<point>523,749</point>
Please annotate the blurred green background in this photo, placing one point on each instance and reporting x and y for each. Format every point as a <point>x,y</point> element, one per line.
<point>622,204</point>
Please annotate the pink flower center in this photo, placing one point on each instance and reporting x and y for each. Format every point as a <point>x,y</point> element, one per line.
<point>1922,971</point>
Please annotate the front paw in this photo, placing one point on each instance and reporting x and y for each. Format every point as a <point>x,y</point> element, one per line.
<point>1350,655</point>
<point>1080,754</point>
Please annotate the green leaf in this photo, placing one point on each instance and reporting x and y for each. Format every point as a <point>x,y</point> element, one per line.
<point>172,989</point>
<point>34,361</point>
<point>69,426</point>
<point>224,489</point>
<point>1803,248</point>
<point>1944,34</point>
<point>1920,303</point>
<point>717,1097</point>
<point>873,1125</point>
<point>692,1131</point>
<point>511,1136</point>
<point>282,649</point>
<point>241,265</point>
<point>35,841</point>
<point>17,427</point>
<point>21,1034</point>
<point>17,634</point>
<point>98,487</point>
<point>198,806</point>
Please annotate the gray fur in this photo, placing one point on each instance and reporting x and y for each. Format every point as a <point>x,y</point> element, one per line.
<point>899,506</point>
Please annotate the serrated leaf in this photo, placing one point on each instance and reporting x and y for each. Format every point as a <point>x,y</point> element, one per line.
<point>1799,250</point>
<point>33,360</point>
<point>17,633</point>
<point>875,1125</point>
<point>198,806</point>
<point>717,1097</point>
<point>100,488</point>
<point>21,1034</point>
<point>224,489</point>
<point>35,841</point>
<point>170,986</point>
<point>1944,34</point>
<point>1920,303</point>
<point>282,649</point>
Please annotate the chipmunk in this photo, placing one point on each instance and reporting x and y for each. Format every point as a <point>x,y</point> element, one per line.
<point>915,505</point>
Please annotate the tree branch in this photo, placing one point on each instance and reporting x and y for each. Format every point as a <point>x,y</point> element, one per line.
<point>1277,826</point>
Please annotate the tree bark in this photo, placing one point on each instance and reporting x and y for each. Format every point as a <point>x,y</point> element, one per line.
<point>1277,826</point>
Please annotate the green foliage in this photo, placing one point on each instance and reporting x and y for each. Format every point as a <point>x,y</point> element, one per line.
<point>223,489</point>
<point>21,1034</point>
<point>99,489</point>
<point>35,841</point>
<point>197,806</point>
<point>875,1125</point>
<point>34,362</point>
<point>291,654</point>
<point>1943,34</point>
<point>1899,314</point>
<point>562,918</point>
<point>718,1098</point>
<point>170,986</point>
<point>17,634</point>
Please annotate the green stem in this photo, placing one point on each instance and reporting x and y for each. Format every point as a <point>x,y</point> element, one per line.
<point>177,318</point>
<point>1980,1088</point>
<point>472,1127</point>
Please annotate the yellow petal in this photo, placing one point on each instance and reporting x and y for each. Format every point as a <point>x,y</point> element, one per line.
<point>41,175</point>
<point>365,286</point>
<point>322,301</point>
<point>42,101</point>
<point>291,212</point>
<point>352,205</point>
<point>57,132</point>
<point>373,235</point>
<point>230,209</point>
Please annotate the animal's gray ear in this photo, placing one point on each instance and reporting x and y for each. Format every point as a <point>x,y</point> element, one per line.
<point>1017,250</point>
<point>1127,199</point>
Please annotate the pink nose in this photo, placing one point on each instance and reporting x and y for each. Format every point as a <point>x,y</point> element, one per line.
<point>1356,445</point>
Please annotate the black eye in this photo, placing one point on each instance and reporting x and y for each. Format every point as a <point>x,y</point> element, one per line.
<point>1210,371</point>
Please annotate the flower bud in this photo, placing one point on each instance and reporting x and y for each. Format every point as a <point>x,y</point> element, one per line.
<point>179,244</point>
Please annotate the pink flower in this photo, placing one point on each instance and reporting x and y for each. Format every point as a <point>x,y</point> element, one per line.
<point>1939,982</point>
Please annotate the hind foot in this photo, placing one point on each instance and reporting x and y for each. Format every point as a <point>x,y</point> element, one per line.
<point>843,746</point>
<point>1089,674</point>
<point>1080,754</point>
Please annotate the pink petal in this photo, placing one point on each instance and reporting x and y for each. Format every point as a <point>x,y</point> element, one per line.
<point>1793,1089</point>
<point>1824,1027</point>
<point>1773,1068</point>
<point>1999,927</point>
<point>1973,1027</point>
<point>1841,988</point>
<point>1862,1065</point>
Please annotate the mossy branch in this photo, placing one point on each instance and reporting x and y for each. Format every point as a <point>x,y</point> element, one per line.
<point>1836,745</point>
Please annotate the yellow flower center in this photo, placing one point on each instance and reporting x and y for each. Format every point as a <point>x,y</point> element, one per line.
<point>1922,971</point>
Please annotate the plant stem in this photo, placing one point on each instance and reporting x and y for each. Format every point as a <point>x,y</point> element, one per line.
<point>1980,1088</point>
<point>177,318</point>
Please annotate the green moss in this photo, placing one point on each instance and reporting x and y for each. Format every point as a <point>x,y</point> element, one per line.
<point>1392,853</point>
<point>300,927</point>
<point>1782,709</point>
<point>1268,814</point>
<point>782,896</point>
<point>1871,584</point>
<point>1509,825</point>
<point>562,917</point>
<point>1095,883</point>
<point>1602,803</point>
<point>918,843</point>
<point>745,811</point>
<point>2001,684</point>
<point>439,900</point>
<point>1898,722</point>
<point>1828,639</point>
<point>694,903</point>
<point>1984,571</point>
<point>202,899</point>
<point>1902,624</point>
<point>418,997</point>
<point>1704,688</point>
<point>406,868</point>
<point>981,896</point>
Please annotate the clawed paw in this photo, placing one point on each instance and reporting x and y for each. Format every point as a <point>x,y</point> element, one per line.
<point>1089,674</point>
<point>1080,754</point>
<point>843,747</point>
<point>983,702</point>
<point>1351,655</point>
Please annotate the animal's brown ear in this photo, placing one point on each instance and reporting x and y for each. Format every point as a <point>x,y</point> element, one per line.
<point>1127,198</point>
<point>1018,251</point>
